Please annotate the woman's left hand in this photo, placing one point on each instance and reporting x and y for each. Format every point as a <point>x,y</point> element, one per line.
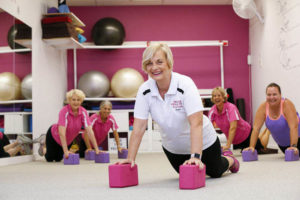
<point>296,151</point>
<point>195,161</point>
<point>225,147</point>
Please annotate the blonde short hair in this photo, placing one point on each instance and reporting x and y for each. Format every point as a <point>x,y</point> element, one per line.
<point>222,91</point>
<point>152,49</point>
<point>106,102</point>
<point>76,92</point>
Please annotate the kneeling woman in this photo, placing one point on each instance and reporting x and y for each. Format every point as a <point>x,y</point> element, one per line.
<point>173,101</point>
<point>72,118</point>
<point>102,122</point>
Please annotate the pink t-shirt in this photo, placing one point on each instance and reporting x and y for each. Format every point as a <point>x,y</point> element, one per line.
<point>1,135</point>
<point>230,113</point>
<point>100,128</point>
<point>73,124</point>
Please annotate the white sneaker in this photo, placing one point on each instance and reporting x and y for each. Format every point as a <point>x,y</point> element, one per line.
<point>22,139</point>
<point>26,148</point>
<point>41,139</point>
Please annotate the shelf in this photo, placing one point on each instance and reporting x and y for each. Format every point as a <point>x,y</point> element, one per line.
<point>144,44</point>
<point>16,101</point>
<point>16,113</point>
<point>9,50</point>
<point>25,43</point>
<point>24,133</point>
<point>109,99</point>
<point>63,43</point>
<point>75,20</point>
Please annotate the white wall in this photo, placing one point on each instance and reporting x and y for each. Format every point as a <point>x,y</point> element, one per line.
<point>49,65</point>
<point>275,50</point>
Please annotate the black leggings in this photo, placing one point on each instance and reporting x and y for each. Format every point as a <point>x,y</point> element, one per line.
<point>216,164</point>
<point>246,143</point>
<point>54,151</point>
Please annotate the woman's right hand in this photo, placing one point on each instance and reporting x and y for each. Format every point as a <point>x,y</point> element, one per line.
<point>126,161</point>
<point>67,153</point>
<point>249,148</point>
<point>87,150</point>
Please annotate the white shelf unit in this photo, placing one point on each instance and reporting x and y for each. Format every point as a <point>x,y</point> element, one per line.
<point>152,140</point>
<point>7,49</point>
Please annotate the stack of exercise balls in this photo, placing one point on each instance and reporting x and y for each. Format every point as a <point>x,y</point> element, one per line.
<point>124,83</point>
<point>10,86</point>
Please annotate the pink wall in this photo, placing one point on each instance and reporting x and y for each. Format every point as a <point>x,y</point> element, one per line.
<point>150,23</point>
<point>18,63</point>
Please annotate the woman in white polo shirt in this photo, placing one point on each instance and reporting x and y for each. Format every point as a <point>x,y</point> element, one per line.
<point>172,99</point>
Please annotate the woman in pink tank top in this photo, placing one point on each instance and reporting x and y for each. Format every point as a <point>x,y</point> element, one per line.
<point>276,112</point>
<point>226,116</point>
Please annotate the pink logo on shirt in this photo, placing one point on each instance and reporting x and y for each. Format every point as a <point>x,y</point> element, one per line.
<point>177,105</point>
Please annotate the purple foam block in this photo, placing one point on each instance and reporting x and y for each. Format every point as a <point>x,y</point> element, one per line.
<point>290,155</point>
<point>102,157</point>
<point>122,175</point>
<point>52,10</point>
<point>90,155</point>
<point>72,160</point>
<point>249,155</point>
<point>191,177</point>
<point>123,154</point>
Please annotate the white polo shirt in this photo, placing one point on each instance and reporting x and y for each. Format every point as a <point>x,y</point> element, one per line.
<point>181,100</point>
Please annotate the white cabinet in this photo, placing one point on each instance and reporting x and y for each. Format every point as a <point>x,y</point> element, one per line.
<point>16,123</point>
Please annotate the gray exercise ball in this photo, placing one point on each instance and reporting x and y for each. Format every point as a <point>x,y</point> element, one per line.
<point>26,87</point>
<point>94,84</point>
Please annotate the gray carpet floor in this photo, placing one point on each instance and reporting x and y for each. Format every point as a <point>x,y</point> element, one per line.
<point>269,178</point>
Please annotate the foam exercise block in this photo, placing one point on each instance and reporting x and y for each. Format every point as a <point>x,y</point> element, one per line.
<point>72,160</point>
<point>90,155</point>
<point>290,155</point>
<point>249,155</point>
<point>191,177</point>
<point>123,154</point>
<point>122,175</point>
<point>102,157</point>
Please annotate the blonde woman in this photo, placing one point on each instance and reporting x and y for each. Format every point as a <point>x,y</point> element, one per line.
<point>173,101</point>
<point>72,118</point>
<point>226,116</point>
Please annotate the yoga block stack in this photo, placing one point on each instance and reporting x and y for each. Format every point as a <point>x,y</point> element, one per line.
<point>122,175</point>
<point>191,177</point>
<point>90,155</point>
<point>123,154</point>
<point>249,155</point>
<point>102,157</point>
<point>73,159</point>
<point>290,155</point>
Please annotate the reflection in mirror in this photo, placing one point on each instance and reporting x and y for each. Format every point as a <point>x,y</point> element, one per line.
<point>15,88</point>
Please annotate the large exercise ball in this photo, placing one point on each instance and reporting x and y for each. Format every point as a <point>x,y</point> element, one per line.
<point>126,82</point>
<point>94,84</point>
<point>26,87</point>
<point>11,35</point>
<point>10,86</point>
<point>108,31</point>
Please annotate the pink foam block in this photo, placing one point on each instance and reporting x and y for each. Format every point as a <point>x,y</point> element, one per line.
<point>249,155</point>
<point>90,155</point>
<point>191,177</point>
<point>290,155</point>
<point>122,175</point>
<point>123,154</point>
<point>73,159</point>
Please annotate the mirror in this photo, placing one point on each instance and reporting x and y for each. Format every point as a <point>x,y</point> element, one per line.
<point>15,87</point>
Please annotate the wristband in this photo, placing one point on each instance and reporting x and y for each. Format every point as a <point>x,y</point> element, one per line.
<point>196,155</point>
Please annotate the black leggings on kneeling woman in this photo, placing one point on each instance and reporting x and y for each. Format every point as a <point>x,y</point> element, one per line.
<point>216,164</point>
